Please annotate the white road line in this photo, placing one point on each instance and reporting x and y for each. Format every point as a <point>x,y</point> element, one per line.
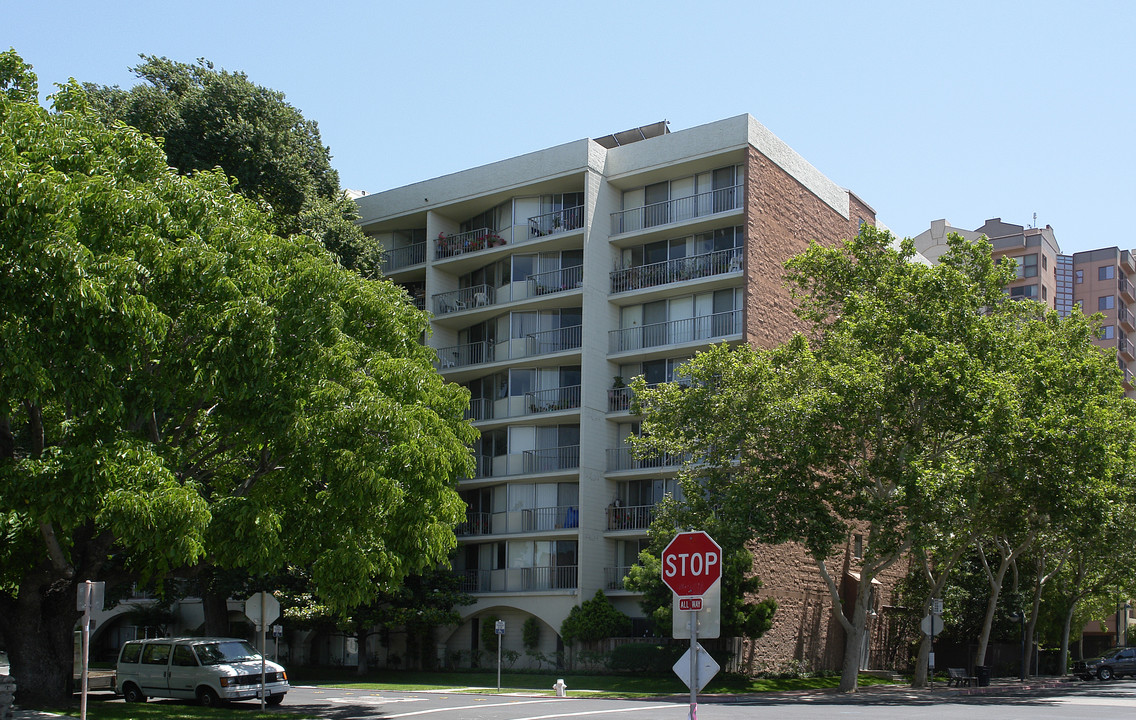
<point>469,707</point>
<point>685,709</point>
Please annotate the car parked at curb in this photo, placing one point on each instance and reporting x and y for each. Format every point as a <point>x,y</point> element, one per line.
<point>211,670</point>
<point>1113,663</point>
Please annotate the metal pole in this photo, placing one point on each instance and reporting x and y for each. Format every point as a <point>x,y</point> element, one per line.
<point>86,645</point>
<point>498,663</point>
<point>693,665</point>
<point>263,644</point>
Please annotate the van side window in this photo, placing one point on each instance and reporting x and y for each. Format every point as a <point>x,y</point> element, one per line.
<point>184,656</point>
<point>131,652</point>
<point>156,654</point>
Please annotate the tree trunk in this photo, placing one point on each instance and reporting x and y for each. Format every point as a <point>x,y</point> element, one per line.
<point>1063,667</point>
<point>39,631</point>
<point>922,662</point>
<point>215,606</point>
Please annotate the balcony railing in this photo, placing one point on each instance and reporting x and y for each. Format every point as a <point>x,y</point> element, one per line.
<point>1124,348</point>
<point>566,457</point>
<point>677,270</point>
<point>542,401</point>
<point>479,409</point>
<point>677,210</point>
<point>522,579</point>
<point>406,256</point>
<point>556,222</point>
<point>447,246</point>
<point>531,345</point>
<point>673,332</point>
<point>555,281</point>
<point>636,517</point>
<point>1125,289</point>
<point>558,517</point>
<point>622,458</point>
<point>464,299</point>
<point>1124,317</point>
<point>613,577</point>
<point>476,523</point>
<point>619,399</point>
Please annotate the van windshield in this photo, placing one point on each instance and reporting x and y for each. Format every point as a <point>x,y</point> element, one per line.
<point>228,651</point>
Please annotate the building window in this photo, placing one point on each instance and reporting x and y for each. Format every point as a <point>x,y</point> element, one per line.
<point>1080,276</point>
<point>1044,262</point>
<point>1025,292</point>
<point>1106,272</point>
<point>1027,266</point>
<point>1044,293</point>
<point>858,546</point>
<point>1108,332</point>
<point>1105,302</point>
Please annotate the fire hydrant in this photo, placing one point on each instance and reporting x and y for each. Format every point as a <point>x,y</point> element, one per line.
<point>560,688</point>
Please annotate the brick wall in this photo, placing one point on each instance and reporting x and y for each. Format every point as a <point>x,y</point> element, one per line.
<point>781,217</point>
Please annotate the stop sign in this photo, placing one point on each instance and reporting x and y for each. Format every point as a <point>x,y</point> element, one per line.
<point>692,562</point>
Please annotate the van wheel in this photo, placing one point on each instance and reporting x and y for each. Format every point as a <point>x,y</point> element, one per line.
<point>208,697</point>
<point>275,699</point>
<point>131,693</point>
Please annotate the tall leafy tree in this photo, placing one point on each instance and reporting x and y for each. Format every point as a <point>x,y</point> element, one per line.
<point>907,394</point>
<point>209,118</point>
<point>178,386</point>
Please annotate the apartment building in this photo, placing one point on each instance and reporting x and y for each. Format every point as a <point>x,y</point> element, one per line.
<point>555,277</point>
<point>1093,281</point>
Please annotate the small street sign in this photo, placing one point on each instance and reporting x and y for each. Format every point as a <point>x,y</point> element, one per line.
<point>690,603</point>
<point>89,596</point>
<point>707,668</point>
<point>499,627</point>
<point>709,615</point>
<point>937,606</point>
<point>692,562</point>
<point>931,625</point>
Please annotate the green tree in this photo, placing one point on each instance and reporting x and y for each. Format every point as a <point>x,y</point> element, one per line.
<point>594,619</point>
<point>180,386</point>
<point>911,391</point>
<point>210,118</point>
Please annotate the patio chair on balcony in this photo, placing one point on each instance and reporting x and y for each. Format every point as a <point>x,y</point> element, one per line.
<point>480,299</point>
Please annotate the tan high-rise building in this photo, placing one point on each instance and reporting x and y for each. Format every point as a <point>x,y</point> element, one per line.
<point>553,279</point>
<point>1094,281</point>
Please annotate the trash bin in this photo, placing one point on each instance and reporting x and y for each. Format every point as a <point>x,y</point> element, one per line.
<point>982,673</point>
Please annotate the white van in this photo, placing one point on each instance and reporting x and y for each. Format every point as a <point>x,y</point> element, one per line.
<point>212,670</point>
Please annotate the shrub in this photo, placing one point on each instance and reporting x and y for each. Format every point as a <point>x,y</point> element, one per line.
<point>595,619</point>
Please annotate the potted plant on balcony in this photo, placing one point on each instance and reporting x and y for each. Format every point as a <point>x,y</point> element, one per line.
<point>620,399</point>
<point>494,240</point>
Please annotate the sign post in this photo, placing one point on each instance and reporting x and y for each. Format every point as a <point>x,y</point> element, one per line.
<point>932,625</point>
<point>262,608</point>
<point>89,596</point>
<point>499,629</point>
<point>692,564</point>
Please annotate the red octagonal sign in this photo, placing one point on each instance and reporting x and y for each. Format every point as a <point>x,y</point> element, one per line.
<point>692,562</point>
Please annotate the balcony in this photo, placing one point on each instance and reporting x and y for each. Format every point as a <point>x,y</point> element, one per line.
<point>1124,349</point>
<point>556,222</point>
<point>522,579</point>
<point>1124,317</point>
<point>566,457</point>
<point>531,345</point>
<point>555,281</point>
<point>448,246</point>
<point>1125,289</point>
<point>402,257</point>
<point>636,517</point>
<point>622,458</point>
<point>677,270</point>
<point>619,399</point>
<point>464,299</point>
<point>613,577</point>
<point>678,210</point>
<point>525,520</point>
<point>544,401</point>
<point>675,332</point>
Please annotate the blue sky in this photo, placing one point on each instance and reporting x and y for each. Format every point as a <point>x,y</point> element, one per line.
<point>963,110</point>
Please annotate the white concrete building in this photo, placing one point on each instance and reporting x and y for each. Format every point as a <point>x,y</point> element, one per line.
<point>554,278</point>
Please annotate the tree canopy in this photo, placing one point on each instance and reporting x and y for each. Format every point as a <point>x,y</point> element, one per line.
<point>179,385</point>
<point>209,118</point>
<point>916,388</point>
